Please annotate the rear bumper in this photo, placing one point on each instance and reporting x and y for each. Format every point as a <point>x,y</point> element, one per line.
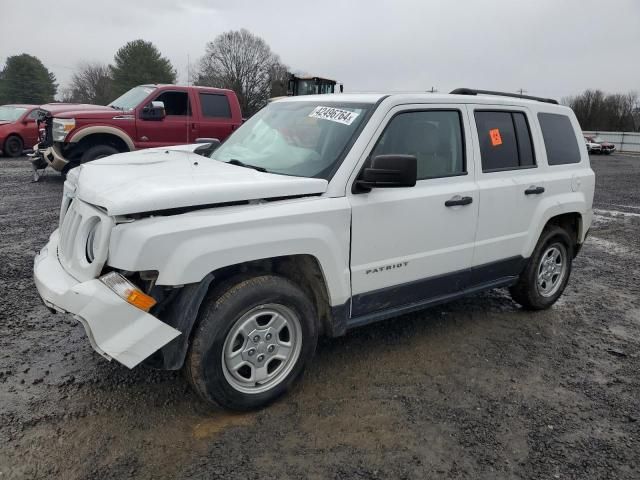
<point>116,329</point>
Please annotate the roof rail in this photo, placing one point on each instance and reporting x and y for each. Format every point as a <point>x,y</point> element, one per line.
<point>471,91</point>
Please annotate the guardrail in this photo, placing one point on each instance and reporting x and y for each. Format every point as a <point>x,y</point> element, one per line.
<point>624,141</point>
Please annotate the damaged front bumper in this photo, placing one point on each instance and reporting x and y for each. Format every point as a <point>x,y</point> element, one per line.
<point>116,329</point>
<point>49,156</point>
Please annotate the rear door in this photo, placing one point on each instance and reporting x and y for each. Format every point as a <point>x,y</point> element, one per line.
<point>411,245</point>
<point>215,116</point>
<point>175,128</point>
<point>511,185</point>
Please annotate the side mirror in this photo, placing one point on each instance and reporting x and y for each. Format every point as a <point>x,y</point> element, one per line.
<point>388,171</point>
<point>208,146</point>
<point>153,111</point>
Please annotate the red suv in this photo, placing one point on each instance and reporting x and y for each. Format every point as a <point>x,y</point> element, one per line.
<point>18,128</point>
<point>145,116</point>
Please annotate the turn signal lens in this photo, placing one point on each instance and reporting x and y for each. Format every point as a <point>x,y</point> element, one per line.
<point>128,291</point>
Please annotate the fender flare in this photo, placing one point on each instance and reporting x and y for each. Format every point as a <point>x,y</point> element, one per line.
<point>554,211</point>
<point>84,132</point>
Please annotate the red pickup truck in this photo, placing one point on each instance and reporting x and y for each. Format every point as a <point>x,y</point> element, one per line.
<point>146,116</point>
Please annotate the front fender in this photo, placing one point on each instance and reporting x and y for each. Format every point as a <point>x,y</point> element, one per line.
<point>185,248</point>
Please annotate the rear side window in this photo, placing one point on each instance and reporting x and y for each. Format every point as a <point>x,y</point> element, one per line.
<point>215,105</point>
<point>559,139</point>
<point>505,140</point>
<point>434,137</point>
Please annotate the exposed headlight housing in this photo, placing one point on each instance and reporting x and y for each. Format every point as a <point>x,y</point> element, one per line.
<point>62,127</point>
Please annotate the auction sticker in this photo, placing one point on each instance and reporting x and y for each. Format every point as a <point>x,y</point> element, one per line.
<point>496,138</point>
<point>334,114</point>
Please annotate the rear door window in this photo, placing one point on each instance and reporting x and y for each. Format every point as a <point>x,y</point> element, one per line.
<point>505,140</point>
<point>215,105</point>
<point>559,139</point>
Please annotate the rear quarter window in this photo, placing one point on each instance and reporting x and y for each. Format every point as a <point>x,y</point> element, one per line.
<point>559,139</point>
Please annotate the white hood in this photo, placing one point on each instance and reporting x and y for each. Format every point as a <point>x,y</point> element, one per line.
<point>161,179</point>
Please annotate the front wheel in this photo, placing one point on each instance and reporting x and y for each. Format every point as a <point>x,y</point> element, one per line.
<point>547,272</point>
<point>13,146</point>
<point>253,342</point>
<point>96,152</point>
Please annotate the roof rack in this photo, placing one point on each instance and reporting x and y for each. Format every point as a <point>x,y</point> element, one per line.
<point>471,91</point>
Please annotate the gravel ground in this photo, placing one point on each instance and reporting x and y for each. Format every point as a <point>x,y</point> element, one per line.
<point>474,389</point>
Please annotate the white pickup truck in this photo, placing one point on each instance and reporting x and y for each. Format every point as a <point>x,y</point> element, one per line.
<point>320,214</point>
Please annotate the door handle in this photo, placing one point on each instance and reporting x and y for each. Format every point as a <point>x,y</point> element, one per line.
<point>458,200</point>
<point>533,190</point>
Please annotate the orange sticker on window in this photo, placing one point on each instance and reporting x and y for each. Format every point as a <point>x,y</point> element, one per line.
<point>496,139</point>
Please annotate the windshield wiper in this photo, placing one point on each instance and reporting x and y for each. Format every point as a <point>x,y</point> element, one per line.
<point>233,161</point>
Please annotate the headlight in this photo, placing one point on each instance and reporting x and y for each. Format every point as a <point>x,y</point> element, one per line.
<point>128,291</point>
<point>62,127</point>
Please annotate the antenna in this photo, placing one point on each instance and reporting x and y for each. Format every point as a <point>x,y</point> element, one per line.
<point>521,91</point>
<point>189,112</point>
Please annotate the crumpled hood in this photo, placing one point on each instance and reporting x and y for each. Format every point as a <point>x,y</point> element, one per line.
<point>151,180</point>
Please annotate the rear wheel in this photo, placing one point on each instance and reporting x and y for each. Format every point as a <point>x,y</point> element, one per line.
<point>547,272</point>
<point>253,342</point>
<point>13,146</point>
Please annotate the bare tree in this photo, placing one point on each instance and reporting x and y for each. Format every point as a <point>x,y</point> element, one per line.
<point>244,63</point>
<point>598,111</point>
<point>91,83</point>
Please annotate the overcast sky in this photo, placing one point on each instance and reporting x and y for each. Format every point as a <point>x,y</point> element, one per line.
<point>547,47</point>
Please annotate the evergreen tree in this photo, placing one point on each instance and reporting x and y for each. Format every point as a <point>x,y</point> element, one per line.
<point>25,79</point>
<point>139,62</point>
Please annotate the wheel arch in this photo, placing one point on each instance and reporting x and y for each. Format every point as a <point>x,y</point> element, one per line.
<point>571,221</point>
<point>183,313</point>
<point>88,137</point>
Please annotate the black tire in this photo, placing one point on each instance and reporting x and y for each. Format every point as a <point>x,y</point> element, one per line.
<point>96,152</point>
<point>527,291</point>
<point>13,146</point>
<point>224,309</point>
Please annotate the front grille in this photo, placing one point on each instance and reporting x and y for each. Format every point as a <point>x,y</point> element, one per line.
<point>46,134</point>
<point>68,234</point>
<point>77,222</point>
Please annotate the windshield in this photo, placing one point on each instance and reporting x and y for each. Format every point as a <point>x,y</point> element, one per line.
<point>11,114</point>
<point>131,99</point>
<point>304,139</point>
<point>597,140</point>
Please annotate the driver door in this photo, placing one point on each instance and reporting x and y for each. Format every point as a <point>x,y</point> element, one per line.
<point>410,245</point>
<point>175,128</point>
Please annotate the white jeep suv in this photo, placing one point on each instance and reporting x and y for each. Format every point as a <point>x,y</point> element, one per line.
<point>320,214</point>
